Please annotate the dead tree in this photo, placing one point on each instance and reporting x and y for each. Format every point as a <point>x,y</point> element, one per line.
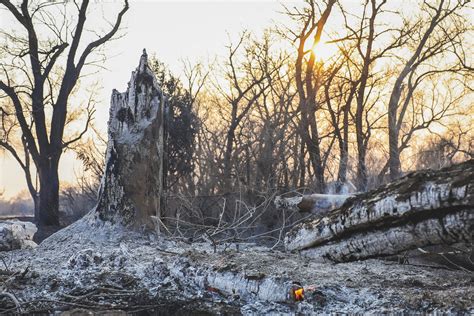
<point>247,82</point>
<point>306,81</point>
<point>132,184</point>
<point>42,135</point>
<point>442,34</point>
<point>424,208</point>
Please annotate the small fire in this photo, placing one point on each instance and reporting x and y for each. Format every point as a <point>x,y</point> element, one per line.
<point>298,293</point>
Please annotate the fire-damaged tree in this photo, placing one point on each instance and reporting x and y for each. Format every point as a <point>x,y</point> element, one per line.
<point>39,88</point>
<point>180,124</point>
<point>132,185</point>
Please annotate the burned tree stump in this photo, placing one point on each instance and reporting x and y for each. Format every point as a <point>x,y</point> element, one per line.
<point>424,208</point>
<point>131,187</point>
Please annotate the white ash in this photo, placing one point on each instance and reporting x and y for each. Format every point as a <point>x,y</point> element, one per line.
<point>255,280</point>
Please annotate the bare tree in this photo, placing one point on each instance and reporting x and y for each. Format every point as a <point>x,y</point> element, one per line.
<point>312,18</point>
<point>341,91</point>
<point>440,35</point>
<point>274,115</point>
<point>363,46</point>
<point>42,134</point>
<point>247,81</point>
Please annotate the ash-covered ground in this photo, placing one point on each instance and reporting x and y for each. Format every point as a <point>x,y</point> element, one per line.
<point>102,267</point>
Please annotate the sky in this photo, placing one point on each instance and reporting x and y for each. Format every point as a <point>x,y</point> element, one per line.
<point>173,30</point>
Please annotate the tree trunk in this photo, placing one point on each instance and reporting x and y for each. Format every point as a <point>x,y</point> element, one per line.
<point>422,209</point>
<point>344,152</point>
<point>36,206</point>
<point>48,204</point>
<point>342,172</point>
<point>394,154</point>
<point>315,155</point>
<point>362,140</point>
<point>228,160</point>
<point>131,187</point>
<point>310,136</point>
<point>302,165</point>
<point>362,178</point>
<point>265,167</point>
<point>394,158</point>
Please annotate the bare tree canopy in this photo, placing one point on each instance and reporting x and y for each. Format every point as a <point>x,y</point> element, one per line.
<point>38,77</point>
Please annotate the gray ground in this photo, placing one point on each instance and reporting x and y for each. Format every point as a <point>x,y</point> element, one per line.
<point>105,267</point>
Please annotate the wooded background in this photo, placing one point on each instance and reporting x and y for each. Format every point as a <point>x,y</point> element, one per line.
<point>272,116</point>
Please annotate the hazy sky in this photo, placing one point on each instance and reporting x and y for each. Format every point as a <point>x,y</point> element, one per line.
<point>173,30</point>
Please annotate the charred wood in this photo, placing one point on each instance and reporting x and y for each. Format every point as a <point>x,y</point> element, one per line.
<point>424,208</point>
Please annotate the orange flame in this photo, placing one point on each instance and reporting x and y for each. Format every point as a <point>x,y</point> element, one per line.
<point>298,294</point>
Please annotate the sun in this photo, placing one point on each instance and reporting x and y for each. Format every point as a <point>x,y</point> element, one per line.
<point>324,50</point>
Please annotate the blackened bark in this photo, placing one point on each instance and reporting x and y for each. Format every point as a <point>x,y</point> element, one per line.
<point>131,188</point>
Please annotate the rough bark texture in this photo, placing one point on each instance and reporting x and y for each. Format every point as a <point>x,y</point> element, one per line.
<point>132,182</point>
<point>421,209</point>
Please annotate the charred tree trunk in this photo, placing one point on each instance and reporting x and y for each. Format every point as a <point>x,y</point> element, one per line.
<point>48,201</point>
<point>424,208</point>
<point>131,187</point>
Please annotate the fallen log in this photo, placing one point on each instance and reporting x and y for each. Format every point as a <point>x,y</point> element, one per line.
<point>110,268</point>
<point>424,208</point>
<point>316,203</point>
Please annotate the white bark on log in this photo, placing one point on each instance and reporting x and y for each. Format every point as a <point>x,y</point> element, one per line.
<point>309,203</point>
<point>132,181</point>
<point>421,209</point>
